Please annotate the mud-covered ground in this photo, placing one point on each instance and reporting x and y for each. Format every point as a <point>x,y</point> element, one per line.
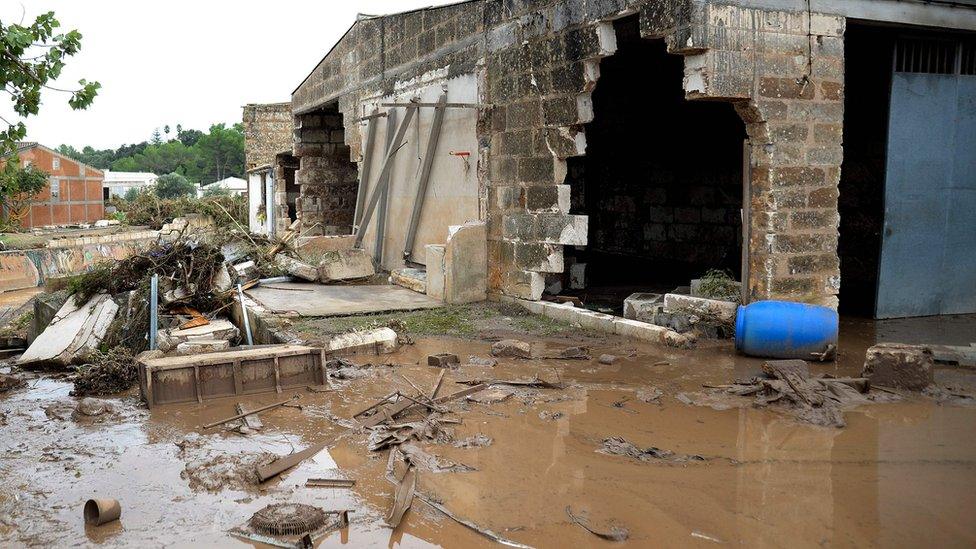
<point>899,474</point>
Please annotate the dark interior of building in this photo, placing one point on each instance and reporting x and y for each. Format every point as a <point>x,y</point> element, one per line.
<point>867,83</point>
<point>661,180</point>
<point>290,165</point>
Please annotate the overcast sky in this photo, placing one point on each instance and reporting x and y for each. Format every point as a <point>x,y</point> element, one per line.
<point>189,62</point>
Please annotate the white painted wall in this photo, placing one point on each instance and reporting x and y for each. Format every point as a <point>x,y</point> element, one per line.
<point>254,204</point>
<point>453,193</point>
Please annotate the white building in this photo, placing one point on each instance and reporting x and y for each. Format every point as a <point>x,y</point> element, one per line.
<point>260,210</point>
<point>119,183</point>
<point>233,185</point>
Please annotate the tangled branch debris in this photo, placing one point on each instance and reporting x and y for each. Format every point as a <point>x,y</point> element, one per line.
<point>108,372</point>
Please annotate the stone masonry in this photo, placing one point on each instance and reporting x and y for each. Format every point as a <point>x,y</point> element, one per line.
<point>267,132</point>
<point>539,60</point>
<point>327,178</point>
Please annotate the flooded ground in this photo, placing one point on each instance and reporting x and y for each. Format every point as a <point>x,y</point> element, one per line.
<point>899,474</point>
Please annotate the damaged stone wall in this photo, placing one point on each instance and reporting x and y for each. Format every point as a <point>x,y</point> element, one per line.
<point>267,132</point>
<point>539,61</point>
<point>327,178</point>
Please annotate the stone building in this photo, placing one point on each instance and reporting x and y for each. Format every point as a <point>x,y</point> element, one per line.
<point>268,162</point>
<point>652,140</point>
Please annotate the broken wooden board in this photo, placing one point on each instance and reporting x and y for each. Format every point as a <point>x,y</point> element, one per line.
<point>282,464</point>
<point>388,413</point>
<point>171,380</point>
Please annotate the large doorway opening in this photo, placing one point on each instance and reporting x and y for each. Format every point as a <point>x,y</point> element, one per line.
<point>908,183</point>
<point>661,180</point>
<point>327,178</point>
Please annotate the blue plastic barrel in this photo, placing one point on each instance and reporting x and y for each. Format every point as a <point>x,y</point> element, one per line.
<point>784,329</point>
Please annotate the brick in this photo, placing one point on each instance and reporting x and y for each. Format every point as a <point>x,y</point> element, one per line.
<point>823,198</point>
<point>560,111</point>
<point>898,365</point>
<point>543,258</point>
<point>792,286</point>
<point>813,219</point>
<point>791,132</point>
<point>832,91</point>
<point>554,228</point>
<point>811,264</point>
<point>546,197</point>
<point>786,88</point>
<point>826,155</point>
<point>536,169</point>
<point>798,176</point>
<point>828,134</point>
<point>803,243</point>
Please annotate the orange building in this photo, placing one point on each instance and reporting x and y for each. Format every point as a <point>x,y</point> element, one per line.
<point>74,190</point>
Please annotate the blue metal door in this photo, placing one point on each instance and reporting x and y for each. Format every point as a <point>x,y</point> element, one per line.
<point>928,253</point>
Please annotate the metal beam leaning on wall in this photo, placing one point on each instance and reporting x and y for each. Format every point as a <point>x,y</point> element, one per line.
<point>385,197</point>
<point>418,203</point>
<point>384,173</point>
<point>367,164</point>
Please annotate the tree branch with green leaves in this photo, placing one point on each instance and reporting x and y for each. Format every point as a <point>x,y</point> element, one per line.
<point>31,58</point>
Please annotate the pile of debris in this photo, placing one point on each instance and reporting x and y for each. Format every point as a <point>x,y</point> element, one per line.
<point>788,387</point>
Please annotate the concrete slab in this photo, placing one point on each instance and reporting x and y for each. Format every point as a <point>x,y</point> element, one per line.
<point>73,332</point>
<point>321,300</point>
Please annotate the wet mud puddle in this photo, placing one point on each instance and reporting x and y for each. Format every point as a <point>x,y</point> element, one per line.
<point>899,474</point>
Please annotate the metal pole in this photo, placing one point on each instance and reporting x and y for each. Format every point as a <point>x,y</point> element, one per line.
<point>418,203</point>
<point>247,321</point>
<point>387,165</point>
<point>384,198</point>
<point>153,313</point>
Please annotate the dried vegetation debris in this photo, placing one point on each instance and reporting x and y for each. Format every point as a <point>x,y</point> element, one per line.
<point>106,373</point>
<point>618,446</point>
<point>787,387</point>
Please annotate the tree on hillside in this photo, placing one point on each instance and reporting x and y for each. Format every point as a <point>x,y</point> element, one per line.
<point>18,187</point>
<point>30,57</point>
<point>174,185</point>
<point>223,152</point>
<point>189,138</point>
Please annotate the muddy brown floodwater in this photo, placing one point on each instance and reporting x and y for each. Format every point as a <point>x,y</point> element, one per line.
<point>900,474</point>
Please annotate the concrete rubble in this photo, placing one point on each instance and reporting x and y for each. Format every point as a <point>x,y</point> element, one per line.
<point>74,331</point>
<point>899,366</point>
<point>342,265</point>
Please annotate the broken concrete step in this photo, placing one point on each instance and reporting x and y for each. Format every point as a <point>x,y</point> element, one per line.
<point>199,346</point>
<point>168,340</point>
<point>411,279</point>
<point>376,341</point>
<point>296,268</point>
<point>641,306</point>
<point>345,265</point>
<point>74,332</point>
<point>724,311</point>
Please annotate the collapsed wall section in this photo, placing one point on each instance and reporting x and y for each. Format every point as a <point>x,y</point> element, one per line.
<point>537,63</point>
<point>327,178</point>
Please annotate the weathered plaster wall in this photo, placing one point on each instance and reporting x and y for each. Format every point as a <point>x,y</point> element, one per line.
<point>452,196</point>
<point>782,70</point>
<point>267,132</point>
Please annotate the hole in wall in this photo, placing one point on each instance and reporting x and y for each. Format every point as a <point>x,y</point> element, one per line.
<point>661,180</point>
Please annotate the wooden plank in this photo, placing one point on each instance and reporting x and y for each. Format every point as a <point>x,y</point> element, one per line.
<point>282,464</point>
<point>223,357</point>
<point>428,162</point>
<point>254,411</point>
<point>387,165</point>
<point>250,419</point>
<point>400,407</point>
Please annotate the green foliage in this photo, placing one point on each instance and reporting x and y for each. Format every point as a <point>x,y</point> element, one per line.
<point>216,190</point>
<point>18,187</point>
<point>148,209</point>
<point>34,55</point>
<point>174,185</point>
<point>200,157</point>
<point>132,194</point>
<point>719,284</point>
